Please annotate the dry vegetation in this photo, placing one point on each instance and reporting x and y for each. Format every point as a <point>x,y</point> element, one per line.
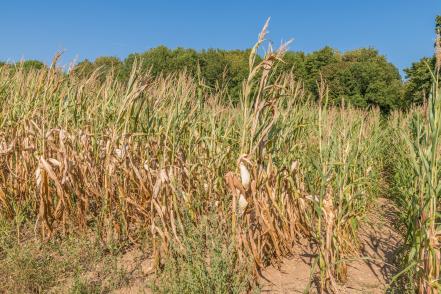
<point>212,192</point>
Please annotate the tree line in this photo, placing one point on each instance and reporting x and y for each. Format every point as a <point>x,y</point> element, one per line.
<point>361,77</point>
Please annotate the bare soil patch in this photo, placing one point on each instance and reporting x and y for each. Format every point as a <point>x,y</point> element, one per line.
<point>371,272</point>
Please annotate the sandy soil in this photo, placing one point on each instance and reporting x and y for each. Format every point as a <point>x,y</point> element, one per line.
<point>371,273</point>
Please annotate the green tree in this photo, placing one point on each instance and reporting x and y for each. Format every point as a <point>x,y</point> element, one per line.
<point>364,78</point>
<point>214,66</point>
<point>83,69</point>
<point>294,62</point>
<point>418,76</point>
<point>31,64</point>
<point>161,60</point>
<point>418,80</point>
<point>107,65</point>
<point>183,59</point>
<point>238,71</point>
<point>315,62</point>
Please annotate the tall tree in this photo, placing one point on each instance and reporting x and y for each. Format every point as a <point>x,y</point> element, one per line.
<point>419,77</point>
<point>315,62</point>
<point>363,78</point>
<point>31,64</point>
<point>418,80</point>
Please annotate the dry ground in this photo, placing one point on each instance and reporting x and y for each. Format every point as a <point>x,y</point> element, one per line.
<point>129,271</point>
<point>371,273</point>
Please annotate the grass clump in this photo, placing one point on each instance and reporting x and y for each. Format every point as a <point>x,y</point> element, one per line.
<point>24,270</point>
<point>205,263</point>
<point>28,265</point>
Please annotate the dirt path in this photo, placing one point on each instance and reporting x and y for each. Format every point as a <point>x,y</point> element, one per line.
<point>369,274</point>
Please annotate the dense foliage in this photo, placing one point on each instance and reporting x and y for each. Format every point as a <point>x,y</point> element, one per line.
<point>361,77</point>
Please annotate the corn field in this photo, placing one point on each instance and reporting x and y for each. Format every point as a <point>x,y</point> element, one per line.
<point>137,161</point>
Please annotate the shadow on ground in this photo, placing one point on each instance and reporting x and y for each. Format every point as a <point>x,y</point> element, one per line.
<point>371,272</point>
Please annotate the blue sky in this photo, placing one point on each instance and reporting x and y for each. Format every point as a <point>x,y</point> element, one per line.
<point>400,29</point>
